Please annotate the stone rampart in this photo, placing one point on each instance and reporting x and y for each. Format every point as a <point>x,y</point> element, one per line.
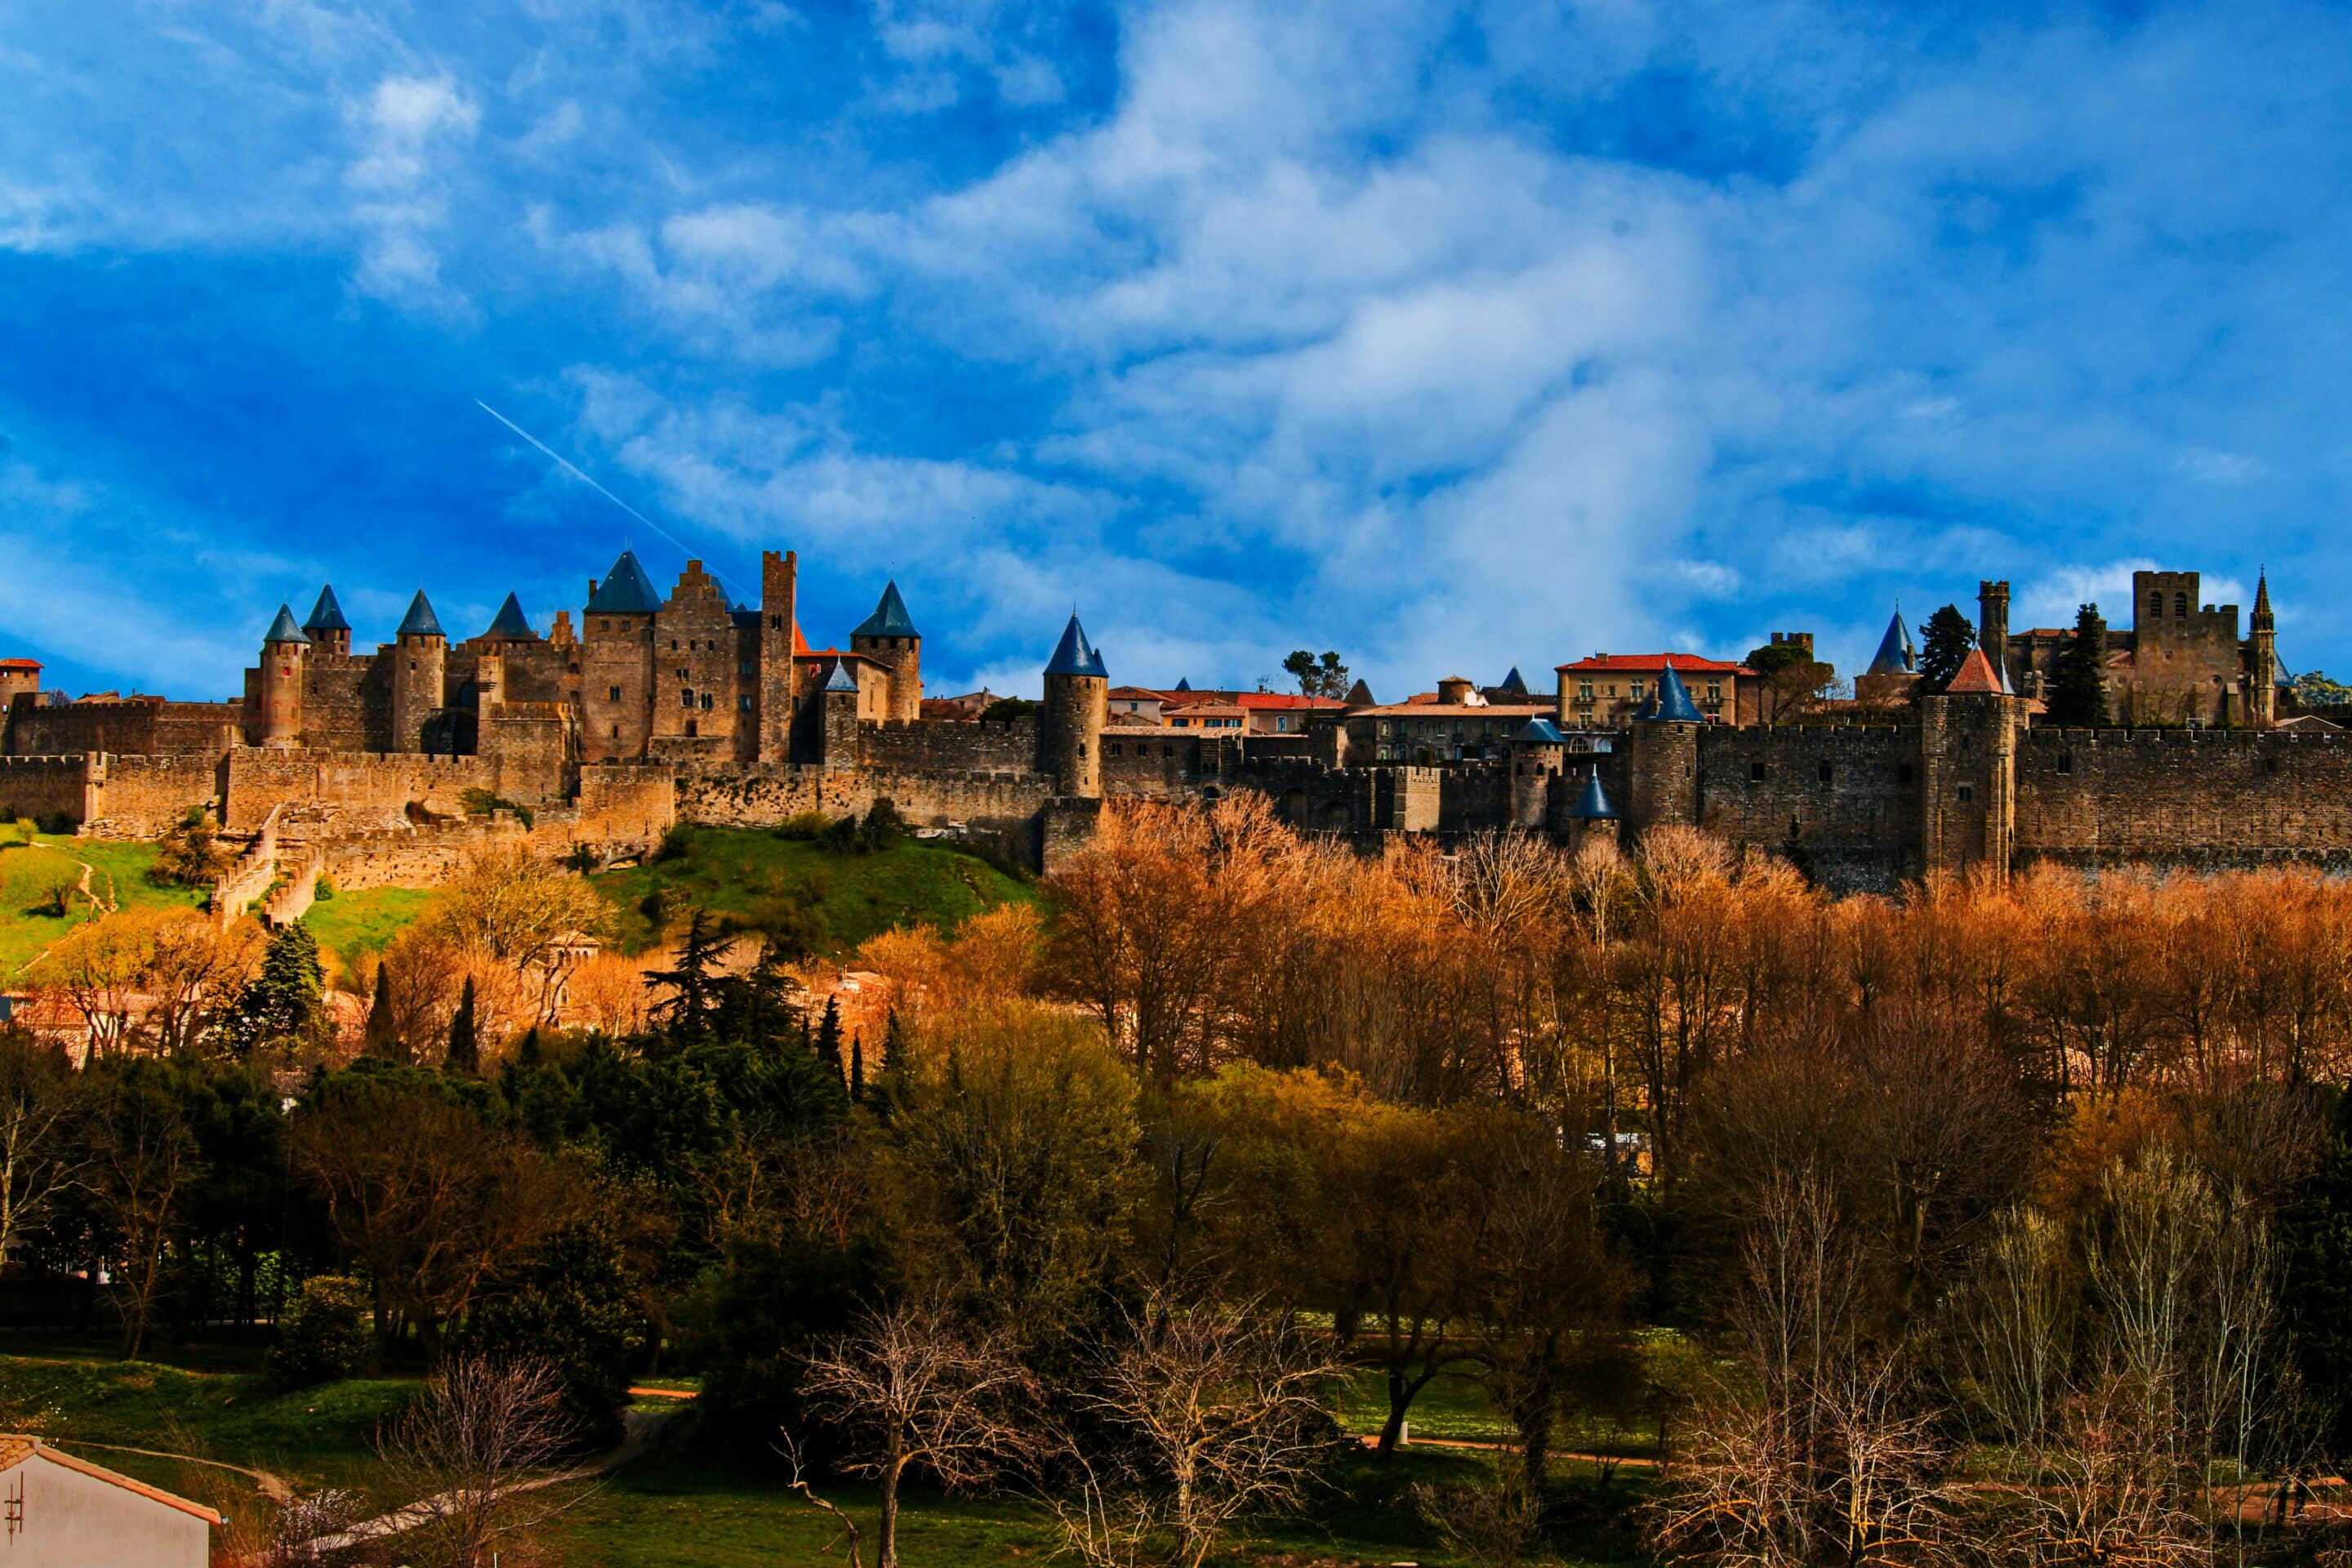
<point>1843,799</point>
<point>764,796</point>
<point>2197,799</point>
<point>45,787</point>
<point>147,796</point>
<point>352,792</point>
<point>987,745</point>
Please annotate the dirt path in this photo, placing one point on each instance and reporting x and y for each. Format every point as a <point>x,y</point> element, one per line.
<point>642,1426</point>
<point>273,1487</point>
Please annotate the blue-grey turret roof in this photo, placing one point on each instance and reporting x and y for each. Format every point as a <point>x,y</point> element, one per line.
<point>511,623</point>
<point>1895,655</point>
<point>1076,655</point>
<point>283,628</point>
<point>1593,805</point>
<point>1183,683</point>
<point>1513,682</point>
<point>1542,732</point>
<point>327,616</point>
<point>625,590</point>
<point>841,680</point>
<point>1675,705</point>
<point>890,618</point>
<point>420,621</point>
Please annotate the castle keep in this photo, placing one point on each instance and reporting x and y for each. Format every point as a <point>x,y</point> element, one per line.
<point>590,738</point>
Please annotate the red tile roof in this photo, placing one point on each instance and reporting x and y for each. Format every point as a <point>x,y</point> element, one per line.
<point>1284,699</point>
<point>1636,663</point>
<point>20,664</point>
<point>1976,677</point>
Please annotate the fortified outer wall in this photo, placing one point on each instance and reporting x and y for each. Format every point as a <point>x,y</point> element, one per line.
<point>1164,765</point>
<point>1847,795</point>
<point>766,795</point>
<point>42,787</point>
<point>145,797</point>
<point>357,790</point>
<point>136,726</point>
<point>2194,799</point>
<point>990,745</point>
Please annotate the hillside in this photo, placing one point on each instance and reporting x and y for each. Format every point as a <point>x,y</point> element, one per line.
<point>758,879</point>
<point>30,867</point>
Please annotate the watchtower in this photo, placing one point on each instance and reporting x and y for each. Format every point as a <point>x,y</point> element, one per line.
<point>1077,705</point>
<point>888,638</point>
<point>420,663</point>
<point>328,632</point>
<point>1662,758</point>
<point>282,651</point>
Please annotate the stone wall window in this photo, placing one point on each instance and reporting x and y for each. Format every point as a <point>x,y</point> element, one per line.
<point>686,698</point>
<point>613,694</point>
<point>1756,773</point>
<point>2066,761</point>
<point>2180,604</point>
<point>1967,794</point>
<point>1825,773</point>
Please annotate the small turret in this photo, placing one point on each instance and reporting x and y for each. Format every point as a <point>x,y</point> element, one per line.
<point>284,648</point>
<point>1077,705</point>
<point>420,661</point>
<point>1992,628</point>
<point>510,625</point>
<point>330,632</point>
<point>1662,756</point>
<point>888,638</point>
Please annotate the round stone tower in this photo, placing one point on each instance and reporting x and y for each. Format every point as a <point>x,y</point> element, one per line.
<point>1662,758</point>
<point>1077,704</point>
<point>419,662</point>
<point>282,653</point>
<point>888,638</point>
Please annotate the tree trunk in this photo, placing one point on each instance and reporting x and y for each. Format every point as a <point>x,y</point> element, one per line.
<point>885,1539</point>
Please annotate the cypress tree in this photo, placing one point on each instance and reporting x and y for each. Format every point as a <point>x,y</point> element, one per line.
<point>2078,686</point>
<point>381,1039</point>
<point>529,1053</point>
<point>1948,637</point>
<point>465,1053</point>
<point>828,1036</point>
<point>857,1067</point>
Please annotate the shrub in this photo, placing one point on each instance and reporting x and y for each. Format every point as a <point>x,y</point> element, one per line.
<point>323,1335</point>
<point>804,826</point>
<point>59,824</point>
<point>324,889</point>
<point>677,843</point>
<point>191,854</point>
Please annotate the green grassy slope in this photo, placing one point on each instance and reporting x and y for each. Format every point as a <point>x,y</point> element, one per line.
<point>350,925</point>
<point>743,873</point>
<point>29,870</point>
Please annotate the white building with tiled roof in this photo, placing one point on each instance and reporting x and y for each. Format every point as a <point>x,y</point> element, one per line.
<point>60,1510</point>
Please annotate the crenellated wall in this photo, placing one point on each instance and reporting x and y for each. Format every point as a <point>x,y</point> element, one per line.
<point>43,787</point>
<point>2191,798</point>
<point>1846,795</point>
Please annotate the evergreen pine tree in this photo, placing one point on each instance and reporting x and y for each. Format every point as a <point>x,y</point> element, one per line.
<point>695,988</point>
<point>381,1039</point>
<point>465,1053</point>
<point>767,1010</point>
<point>530,1053</point>
<point>282,1001</point>
<point>1945,641</point>
<point>857,1067</point>
<point>828,1036</point>
<point>2078,686</point>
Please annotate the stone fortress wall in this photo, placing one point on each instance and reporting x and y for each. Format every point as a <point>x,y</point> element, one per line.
<point>685,710</point>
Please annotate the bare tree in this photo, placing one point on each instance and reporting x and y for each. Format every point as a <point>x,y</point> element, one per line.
<point>1215,1412</point>
<point>463,1447</point>
<point>39,1157</point>
<point>925,1392</point>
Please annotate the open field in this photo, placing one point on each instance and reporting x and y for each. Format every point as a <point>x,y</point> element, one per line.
<point>745,873</point>
<point>29,870</point>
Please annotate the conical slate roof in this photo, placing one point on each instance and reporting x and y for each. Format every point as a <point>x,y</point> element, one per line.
<point>1593,805</point>
<point>420,621</point>
<point>1675,704</point>
<point>1182,682</point>
<point>1513,682</point>
<point>890,618</point>
<point>625,590</point>
<point>327,616</point>
<point>283,628</point>
<point>1076,655</point>
<point>1360,695</point>
<point>1542,733</point>
<point>511,622</point>
<point>841,680</point>
<point>1895,655</point>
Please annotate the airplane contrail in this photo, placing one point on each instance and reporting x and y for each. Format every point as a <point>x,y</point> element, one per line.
<point>577,472</point>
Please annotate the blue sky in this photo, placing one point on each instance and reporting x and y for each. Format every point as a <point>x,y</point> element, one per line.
<point>1452,337</point>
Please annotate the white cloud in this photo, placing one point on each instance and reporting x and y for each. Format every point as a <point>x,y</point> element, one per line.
<point>407,130</point>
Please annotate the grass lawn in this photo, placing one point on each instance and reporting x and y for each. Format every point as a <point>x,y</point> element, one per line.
<point>352,924</point>
<point>679,1507</point>
<point>314,1437</point>
<point>737,871</point>
<point>29,870</point>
